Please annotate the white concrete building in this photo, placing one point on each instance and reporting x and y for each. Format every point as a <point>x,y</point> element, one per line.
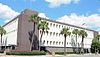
<point>19,35</point>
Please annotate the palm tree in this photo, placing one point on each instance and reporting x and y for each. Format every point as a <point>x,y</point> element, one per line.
<point>65,32</point>
<point>96,40</point>
<point>42,26</point>
<point>83,34</point>
<point>2,32</point>
<point>35,19</point>
<point>76,32</point>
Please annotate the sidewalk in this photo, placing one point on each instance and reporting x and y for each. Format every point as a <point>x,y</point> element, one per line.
<point>68,55</point>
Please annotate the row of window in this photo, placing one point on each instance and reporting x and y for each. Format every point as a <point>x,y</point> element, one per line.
<point>59,26</point>
<point>11,31</point>
<point>51,33</point>
<point>55,34</point>
<point>58,43</point>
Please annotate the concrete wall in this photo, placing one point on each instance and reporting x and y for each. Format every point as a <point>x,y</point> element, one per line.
<point>25,29</point>
<point>11,33</point>
<point>54,35</point>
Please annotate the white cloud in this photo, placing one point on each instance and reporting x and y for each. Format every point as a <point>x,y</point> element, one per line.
<point>56,3</point>
<point>91,21</point>
<point>76,1</point>
<point>43,15</point>
<point>6,20</point>
<point>6,12</point>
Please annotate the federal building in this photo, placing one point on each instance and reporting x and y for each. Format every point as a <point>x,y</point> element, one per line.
<point>19,35</point>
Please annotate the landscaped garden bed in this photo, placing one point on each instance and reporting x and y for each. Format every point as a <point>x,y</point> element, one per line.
<point>26,53</point>
<point>61,53</point>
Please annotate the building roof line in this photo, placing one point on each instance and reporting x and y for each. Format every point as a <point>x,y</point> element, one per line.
<point>50,21</point>
<point>68,24</point>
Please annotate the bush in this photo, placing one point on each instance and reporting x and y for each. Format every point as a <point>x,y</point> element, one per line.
<point>95,43</point>
<point>61,53</point>
<point>26,53</point>
<point>1,51</point>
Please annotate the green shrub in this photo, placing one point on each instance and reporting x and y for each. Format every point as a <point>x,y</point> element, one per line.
<point>26,53</point>
<point>1,51</point>
<point>61,53</point>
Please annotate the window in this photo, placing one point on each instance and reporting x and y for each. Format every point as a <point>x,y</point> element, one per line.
<point>44,42</point>
<point>70,43</point>
<point>62,26</point>
<point>59,43</point>
<point>50,33</point>
<point>53,33</point>
<point>53,42</point>
<point>47,42</point>
<point>56,25</point>
<point>67,43</point>
<point>59,26</point>
<point>56,34</point>
<point>59,34</point>
<point>62,43</point>
<point>53,24</point>
<point>78,44</point>
<point>50,42</point>
<point>56,43</point>
<point>50,24</point>
<point>74,44</point>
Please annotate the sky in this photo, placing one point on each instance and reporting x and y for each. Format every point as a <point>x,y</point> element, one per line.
<point>75,12</point>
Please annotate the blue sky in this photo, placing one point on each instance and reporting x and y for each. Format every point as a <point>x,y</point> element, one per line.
<point>74,12</point>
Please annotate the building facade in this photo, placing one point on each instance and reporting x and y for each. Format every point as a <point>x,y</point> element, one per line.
<point>19,35</point>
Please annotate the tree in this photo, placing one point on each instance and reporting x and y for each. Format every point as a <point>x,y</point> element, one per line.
<point>65,32</point>
<point>35,19</point>
<point>2,32</point>
<point>43,26</point>
<point>76,32</point>
<point>83,34</point>
<point>95,44</point>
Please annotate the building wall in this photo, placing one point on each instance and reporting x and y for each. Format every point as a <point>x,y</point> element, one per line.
<point>19,33</point>
<point>11,33</point>
<point>54,39</point>
<point>25,29</point>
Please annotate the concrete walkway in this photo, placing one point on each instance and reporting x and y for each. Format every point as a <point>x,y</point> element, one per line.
<point>69,55</point>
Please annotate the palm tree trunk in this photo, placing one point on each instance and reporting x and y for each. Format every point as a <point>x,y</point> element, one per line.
<point>32,38</point>
<point>41,40</point>
<point>65,45</point>
<point>82,46</point>
<point>95,48</point>
<point>76,44</point>
<point>1,42</point>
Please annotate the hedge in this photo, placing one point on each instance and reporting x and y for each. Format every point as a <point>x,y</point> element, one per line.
<point>1,51</point>
<point>26,53</point>
<point>61,53</point>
